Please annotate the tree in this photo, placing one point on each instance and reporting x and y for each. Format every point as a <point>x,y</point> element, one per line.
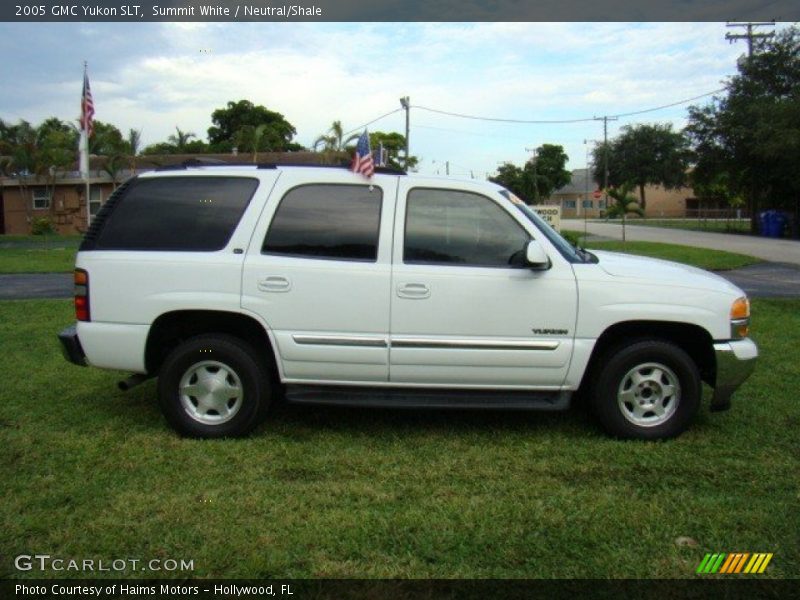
<point>624,204</point>
<point>334,140</point>
<point>749,139</point>
<point>250,137</point>
<point>511,177</point>
<point>229,121</point>
<point>539,177</point>
<point>134,145</point>
<point>180,142</point>
<point>180,139</point>
<point>107,140</point>
<point>547,171</point>
<point>644,155</point>
<point>36,153</point>
<point>395,144</point>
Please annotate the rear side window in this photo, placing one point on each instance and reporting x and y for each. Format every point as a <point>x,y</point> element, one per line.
<point>330,221</point>
<point>195,214</point>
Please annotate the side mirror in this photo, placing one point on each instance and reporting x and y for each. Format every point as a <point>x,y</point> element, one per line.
<point>535,257</point>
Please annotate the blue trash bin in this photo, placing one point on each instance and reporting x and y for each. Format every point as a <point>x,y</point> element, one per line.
<point>764,219</point>
<point>772,223</point>
<point>779,223</point>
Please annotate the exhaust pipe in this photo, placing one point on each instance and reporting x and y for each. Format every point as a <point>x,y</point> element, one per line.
<point>132,381</point>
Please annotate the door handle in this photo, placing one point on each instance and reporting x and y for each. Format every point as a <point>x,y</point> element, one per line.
<point>275,284</point>
<point>414,291</point>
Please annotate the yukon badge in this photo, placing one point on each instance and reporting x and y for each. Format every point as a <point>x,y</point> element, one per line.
<point>550,331</point>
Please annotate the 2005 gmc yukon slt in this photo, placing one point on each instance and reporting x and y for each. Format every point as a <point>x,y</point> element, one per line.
<point>230,283</point>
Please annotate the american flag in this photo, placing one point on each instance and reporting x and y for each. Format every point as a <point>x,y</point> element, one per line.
<point>362,161</point>
<point>87,107</point>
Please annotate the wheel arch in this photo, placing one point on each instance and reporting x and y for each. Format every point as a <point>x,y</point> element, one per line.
<point>172,328</point>
<point>692,339</point>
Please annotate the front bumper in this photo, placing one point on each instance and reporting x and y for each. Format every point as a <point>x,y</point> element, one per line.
<point>735,362</point>
<point>71,346</point>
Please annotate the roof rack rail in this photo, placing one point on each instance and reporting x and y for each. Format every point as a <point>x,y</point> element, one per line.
<point>215,162</point>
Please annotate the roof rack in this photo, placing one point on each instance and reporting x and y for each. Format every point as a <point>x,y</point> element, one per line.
<point>215,162</point>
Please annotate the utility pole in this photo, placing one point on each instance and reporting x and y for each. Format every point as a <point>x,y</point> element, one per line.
<point>535,176</point>
<point>750,35</point>
<point>605,121</point>
<point>405,102</point>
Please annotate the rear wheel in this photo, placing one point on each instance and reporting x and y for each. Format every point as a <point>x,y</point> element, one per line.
<point>648,390</point>
<point>213,386</point>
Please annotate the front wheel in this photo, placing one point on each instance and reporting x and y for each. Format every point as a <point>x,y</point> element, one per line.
<point>648,390</point>
<point>213,386</point>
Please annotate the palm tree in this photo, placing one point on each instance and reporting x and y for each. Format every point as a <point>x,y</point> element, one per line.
<point>180,139</point>
<point>624,204</point>
<point>134,145</point>
<point>251,136</point>
<point>334,140</point>
<point>113,166</point>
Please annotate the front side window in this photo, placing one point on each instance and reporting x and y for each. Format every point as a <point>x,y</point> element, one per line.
<point>451,227</point>
<point>177,213</point>
<point>327,221</point>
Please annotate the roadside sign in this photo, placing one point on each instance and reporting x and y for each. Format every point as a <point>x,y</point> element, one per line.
<point>597,194</point>
<point>551,214</point>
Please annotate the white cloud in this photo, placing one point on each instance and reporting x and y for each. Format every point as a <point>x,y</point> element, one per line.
<point>315,73</point>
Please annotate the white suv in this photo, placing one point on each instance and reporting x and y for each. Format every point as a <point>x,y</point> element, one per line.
<point>232,283</point>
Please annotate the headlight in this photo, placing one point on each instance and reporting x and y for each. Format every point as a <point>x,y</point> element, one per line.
<point>740,318</point>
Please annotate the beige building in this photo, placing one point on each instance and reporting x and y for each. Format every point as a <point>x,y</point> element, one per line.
<point>576,199</point>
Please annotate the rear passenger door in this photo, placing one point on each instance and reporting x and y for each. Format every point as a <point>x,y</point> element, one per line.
<point>318,271</point>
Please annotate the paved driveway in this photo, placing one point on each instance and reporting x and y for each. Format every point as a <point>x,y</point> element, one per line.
<point>767,279</point>
<point>36,285</point>
<point>780,251</point>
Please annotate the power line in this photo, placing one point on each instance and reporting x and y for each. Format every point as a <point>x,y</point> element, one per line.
<point>499,120</point>
<point>566,121</point>
<point>647,110</point>
<point>361,127</point>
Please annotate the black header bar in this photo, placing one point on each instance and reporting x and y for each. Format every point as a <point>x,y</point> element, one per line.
<point>398,10</point>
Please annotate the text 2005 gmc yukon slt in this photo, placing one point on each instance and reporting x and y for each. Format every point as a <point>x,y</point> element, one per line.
<point>230,283</point>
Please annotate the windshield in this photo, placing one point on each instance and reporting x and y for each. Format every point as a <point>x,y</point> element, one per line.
<point>566,249</point>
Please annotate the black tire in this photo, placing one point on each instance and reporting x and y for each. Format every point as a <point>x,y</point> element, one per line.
<point>630,392</point>
<point>226,374</point>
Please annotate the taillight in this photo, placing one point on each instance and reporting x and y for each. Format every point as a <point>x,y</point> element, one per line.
<point>81,279</point>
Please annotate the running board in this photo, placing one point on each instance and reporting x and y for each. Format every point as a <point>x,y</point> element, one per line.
<point>427,398</point>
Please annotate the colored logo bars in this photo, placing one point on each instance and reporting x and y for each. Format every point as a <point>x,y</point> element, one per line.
<point>742,562</point>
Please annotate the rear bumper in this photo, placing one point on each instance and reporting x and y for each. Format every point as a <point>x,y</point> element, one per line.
<point>735,362</point>
<point>71,346</point>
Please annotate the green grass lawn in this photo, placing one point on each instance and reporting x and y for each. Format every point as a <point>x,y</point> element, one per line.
<point>62,240</point>
<point>89,471</point>
<point>712,260</point>
<point>38,254</point>
<point>714,225</point>
<point>35,260</point>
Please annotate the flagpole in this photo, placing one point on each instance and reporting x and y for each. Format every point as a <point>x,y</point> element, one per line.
<point>85,150</point>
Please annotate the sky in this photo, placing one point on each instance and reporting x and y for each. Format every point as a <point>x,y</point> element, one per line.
<point>156,76</point>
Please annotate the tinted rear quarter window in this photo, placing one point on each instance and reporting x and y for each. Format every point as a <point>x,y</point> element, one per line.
<point>328,221</point>
<point>196,214</point>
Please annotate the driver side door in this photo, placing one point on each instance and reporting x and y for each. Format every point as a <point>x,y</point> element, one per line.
<point>462,314</point>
